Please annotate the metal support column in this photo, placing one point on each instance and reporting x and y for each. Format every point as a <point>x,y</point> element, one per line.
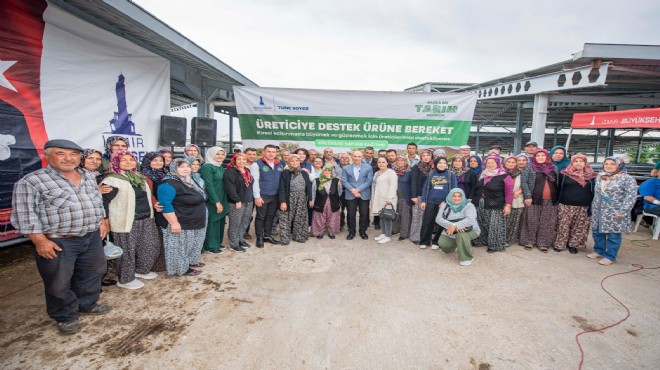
<point>476,143</point>
<point>231,135</point>
<point>609,146</point>
<point>597,146</point>
<point>539,117</point>
<point>517,141</point>
<point>639,145</point>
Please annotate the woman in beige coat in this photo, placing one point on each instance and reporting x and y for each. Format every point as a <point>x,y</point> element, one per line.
<point>385,184</point>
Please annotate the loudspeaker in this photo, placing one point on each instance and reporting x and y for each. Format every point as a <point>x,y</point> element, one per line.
<point>173,131</point>
<point>203,131</point>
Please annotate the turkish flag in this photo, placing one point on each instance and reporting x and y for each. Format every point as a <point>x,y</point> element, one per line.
<point>22,129</point>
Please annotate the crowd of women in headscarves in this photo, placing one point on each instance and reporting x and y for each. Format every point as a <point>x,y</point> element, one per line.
<point>165,211</point>
<point>162,211</point>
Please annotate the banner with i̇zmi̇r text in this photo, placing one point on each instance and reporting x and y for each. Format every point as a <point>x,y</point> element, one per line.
<point>352,119</point>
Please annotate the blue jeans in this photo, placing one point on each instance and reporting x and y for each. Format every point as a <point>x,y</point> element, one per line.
<point>72,280</point>
<point>607,244</point>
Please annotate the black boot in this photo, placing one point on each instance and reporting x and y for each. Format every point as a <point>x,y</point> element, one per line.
<point>260,242</point>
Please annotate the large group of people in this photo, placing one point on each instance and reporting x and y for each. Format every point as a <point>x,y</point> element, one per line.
<point>164,212</point>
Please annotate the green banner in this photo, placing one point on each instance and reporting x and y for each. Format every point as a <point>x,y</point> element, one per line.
<point>351,132</point>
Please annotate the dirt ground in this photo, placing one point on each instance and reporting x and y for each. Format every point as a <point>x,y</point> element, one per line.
<point>335,304</point>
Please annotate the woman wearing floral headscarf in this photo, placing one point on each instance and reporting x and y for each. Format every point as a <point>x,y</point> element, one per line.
<point>540,192</point>
<point>113,144</point>
<point>91,160</point>
<point>153,168</point>
<point>295,194</point>
<point>238,186</point>
<point>326,203</point>
<point>615,194</point>
<point>184,207</point>
<point>494,193</point>
<point>404,205</point>
<point>458,218</point>
<point>418,175</point>
<point>195,164</point>
<point>467,179</point>
<point>130,212</point>
<point>213,174</point>
<point>168,156</point>
<point>576,191</point>
<point>192,150</point>
<point>518,204</point>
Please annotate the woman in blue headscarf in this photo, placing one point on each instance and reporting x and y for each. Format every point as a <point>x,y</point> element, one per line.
<point>458,218</point>
<point>559,157</point>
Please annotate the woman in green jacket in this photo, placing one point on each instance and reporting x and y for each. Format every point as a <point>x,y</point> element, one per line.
<point>213,174</point>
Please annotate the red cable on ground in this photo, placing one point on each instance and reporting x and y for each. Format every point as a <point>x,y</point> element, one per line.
<point>18,290</point>
<point>577,339</point>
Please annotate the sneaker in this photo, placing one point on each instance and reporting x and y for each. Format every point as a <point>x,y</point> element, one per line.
<point>466,262</point>
<point>135,284</point>
<point>150,276</point>
<point>70,327</point>
<point>434,246</point>
<point>384,240</point>
<point>605,262</point>
<point>594,255</point>
<point>99,309</point>
<point>423,246</point>
<point>238,249</point>
<point>379,237</point>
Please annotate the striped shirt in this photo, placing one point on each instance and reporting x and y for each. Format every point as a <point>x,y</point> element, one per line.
<point>45,202</point>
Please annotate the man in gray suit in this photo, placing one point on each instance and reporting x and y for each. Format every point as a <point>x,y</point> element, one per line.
<point>356,179</point>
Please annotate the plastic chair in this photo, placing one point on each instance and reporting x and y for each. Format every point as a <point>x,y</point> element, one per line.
<point>655,228</point>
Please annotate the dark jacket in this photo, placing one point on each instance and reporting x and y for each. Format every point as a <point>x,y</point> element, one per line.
<point>404,190</point>
<point>235,187</point>
<point>572,193</point>
<point>468,183</point>
<point>492,192</point>
<point>539,184</point>
<point>417,180</point>
<point>285,187</point>
<point>322,196</point>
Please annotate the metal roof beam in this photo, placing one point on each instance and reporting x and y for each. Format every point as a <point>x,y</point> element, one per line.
<point>571,79</point>
<point>601,100</point>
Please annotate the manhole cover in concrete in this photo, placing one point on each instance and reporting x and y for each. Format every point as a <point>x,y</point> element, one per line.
<point>307,262</point>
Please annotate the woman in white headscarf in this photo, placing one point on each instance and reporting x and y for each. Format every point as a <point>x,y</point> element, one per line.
<point>213,175</point>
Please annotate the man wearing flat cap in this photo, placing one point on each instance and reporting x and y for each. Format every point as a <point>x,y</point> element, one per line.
<point>530,148</point>
<point>60,209</point>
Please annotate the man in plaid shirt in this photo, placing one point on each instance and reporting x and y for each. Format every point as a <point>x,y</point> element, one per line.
<point>60,209</point>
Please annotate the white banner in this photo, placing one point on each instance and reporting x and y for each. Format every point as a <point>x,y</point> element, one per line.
<point>353,119</point>
<point>80,89</point>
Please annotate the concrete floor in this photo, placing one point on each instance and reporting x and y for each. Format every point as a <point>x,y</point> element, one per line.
<point>358,305</point>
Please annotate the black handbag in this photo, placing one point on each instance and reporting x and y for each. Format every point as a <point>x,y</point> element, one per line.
<point>388,213</point>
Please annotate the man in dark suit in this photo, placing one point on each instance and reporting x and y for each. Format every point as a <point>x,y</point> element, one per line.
<point>356,179</point>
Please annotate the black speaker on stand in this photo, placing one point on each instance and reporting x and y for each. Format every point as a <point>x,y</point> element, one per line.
<point>203,131</point>
<point>173,131</point>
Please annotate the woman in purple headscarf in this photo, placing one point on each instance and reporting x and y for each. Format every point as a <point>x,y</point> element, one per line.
<point>540,192</point>
<point>494,194</point>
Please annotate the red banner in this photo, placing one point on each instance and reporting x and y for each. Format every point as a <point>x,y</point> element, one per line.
<point>634,118</point>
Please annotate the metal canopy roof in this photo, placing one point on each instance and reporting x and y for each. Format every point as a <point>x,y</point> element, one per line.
<point>196,75</point>
<point>600,77</point>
